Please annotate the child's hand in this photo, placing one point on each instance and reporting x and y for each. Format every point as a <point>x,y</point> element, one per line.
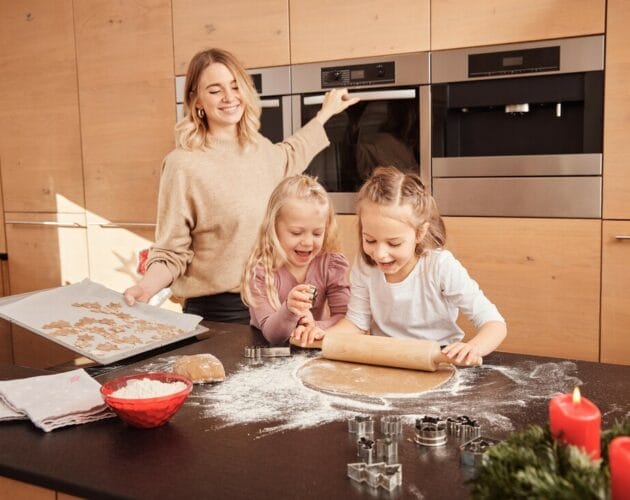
<point>462,353</point>
<point>306,332</point>
<point>299,300</point>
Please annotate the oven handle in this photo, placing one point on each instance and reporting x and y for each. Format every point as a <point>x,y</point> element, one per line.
<point>622,237</point>
<point>270,103</point>
<point>376,95</point>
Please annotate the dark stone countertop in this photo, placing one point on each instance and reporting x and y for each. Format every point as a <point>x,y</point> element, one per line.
<point>198,456</point>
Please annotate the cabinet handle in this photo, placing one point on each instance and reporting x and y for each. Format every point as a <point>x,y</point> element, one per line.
<point>622,237</point>
<point>114,225</point>
<point>46,223</point>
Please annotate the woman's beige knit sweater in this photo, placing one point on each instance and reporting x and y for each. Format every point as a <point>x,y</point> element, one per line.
<point>212,202</point>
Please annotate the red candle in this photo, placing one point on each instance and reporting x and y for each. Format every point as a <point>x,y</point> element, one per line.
<point>577,421</point>
<point>619,458</point>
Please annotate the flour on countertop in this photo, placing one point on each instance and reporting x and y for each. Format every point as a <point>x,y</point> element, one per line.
<point>273,394</point>
<point>147,388</point>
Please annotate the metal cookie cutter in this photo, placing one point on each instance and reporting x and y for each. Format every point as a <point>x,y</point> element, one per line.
<point>430,431</point>
<point>313,293</point>
<point>473,452</point>
<point>391,425</point>
<point>361,425</point>
<point>258,352</point>
<point>376,475</point>
<point>365,450</point>
<point>463,427</point>
<point>387,450</point>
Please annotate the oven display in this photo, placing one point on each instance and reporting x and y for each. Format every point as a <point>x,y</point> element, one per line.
<point>512,61</point>
<point>358,75</point>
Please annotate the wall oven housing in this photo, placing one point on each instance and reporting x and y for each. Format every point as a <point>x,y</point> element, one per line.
<point>389,126</point>
<point>518,129</point>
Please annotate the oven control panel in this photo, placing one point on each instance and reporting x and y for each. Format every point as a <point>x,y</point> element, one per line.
<point>358,75</point>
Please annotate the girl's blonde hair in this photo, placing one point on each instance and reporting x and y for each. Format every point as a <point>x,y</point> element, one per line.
<point>268,251</point>
<point>192,132</point>
<point>388,186</point>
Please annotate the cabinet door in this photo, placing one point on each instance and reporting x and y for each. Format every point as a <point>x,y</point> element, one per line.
<point>616,112</point>
<point>349,236</point>
<point>256,31</point>
<point>615,297</point>
<point>126,89</point>
<point>543,275</point>
<point>329,30</point>
<point>39,113</point>
<point>462,23</point>
<point>45,251</point>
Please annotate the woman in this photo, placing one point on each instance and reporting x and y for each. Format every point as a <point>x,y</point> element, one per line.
<point>215,185</point>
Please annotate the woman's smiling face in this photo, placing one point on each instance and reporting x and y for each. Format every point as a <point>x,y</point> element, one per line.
<point>219,95</point>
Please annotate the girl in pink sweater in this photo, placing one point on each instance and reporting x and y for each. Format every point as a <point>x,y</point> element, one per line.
<point>295,267</point>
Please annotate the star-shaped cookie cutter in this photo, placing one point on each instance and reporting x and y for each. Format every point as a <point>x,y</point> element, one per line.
<point>379,475</point>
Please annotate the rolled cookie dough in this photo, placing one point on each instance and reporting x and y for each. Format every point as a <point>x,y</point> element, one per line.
<point>355,379</point>
<point>200,368</point>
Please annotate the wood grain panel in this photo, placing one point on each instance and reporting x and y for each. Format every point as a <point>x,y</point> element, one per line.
<point>126,88</point>
<point>17,490</point>
<point>617,112</point>
<point>349,236</point>
<point>43,255</point>
<point>39,113</point>
<point>328,30</point>
<point>256,31</point>
<point>6,345</point>
<point>543,275</point>
<point>466,23</point>
<point>615,297</point>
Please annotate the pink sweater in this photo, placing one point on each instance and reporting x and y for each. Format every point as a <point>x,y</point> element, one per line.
<point>327,272</point>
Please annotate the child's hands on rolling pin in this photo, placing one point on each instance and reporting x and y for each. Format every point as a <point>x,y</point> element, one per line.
<point>300,299</point>
<point>462,353</point>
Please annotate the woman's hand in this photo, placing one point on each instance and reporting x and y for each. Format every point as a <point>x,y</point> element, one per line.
<point>299,300</point>
<point>135,294</point>
<point>462,353</point>
<point>335,101</point>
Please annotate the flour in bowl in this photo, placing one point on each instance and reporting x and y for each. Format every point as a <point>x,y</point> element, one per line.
<point>147,388</point>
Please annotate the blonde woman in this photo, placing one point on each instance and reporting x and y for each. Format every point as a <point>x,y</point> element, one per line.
<point>295,268</point>
<point>405,284</point>
<point>215,186</point>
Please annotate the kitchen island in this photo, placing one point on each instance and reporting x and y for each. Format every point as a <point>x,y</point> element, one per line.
<point>261,434</point>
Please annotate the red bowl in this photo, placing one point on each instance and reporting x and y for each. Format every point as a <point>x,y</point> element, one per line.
<point>146,412</point>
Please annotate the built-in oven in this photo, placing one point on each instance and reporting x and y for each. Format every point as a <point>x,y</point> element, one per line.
<point>517,129</point>
<point>390,125</point>
<point>274,89</point>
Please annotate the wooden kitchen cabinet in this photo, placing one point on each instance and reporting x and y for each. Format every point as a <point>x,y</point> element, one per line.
<point>615,327</point>
<point>127,96</point>
<point>256,31</point>
<point>39,109</point>
<point>45,251</point>
<point>616,195</point>
<point>543,275</point>
<point>329,30</point>
<point>466,23</point>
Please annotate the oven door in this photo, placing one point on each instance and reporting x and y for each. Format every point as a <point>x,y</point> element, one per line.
<point>275,118</point>
<point>383,128</point>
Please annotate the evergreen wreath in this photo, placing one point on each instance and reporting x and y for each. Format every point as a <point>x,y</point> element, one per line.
<point>531,464</point>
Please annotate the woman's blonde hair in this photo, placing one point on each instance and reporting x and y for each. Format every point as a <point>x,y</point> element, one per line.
<point>268,252</point>
<point>388,186</point>
<point>192,132</point>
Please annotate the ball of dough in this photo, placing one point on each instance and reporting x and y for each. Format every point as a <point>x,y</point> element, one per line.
<point>200,368</point>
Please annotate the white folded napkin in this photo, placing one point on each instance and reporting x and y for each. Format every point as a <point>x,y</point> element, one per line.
<point>53,401</point>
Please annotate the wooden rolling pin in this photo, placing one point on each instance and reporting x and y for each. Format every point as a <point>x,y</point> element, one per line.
<point>386,351</point>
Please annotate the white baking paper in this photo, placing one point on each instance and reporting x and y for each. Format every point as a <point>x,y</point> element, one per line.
<point>94,321</point>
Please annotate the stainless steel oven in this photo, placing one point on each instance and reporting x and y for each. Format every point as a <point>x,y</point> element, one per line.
<point>274,89</point>
<point>518,129</point>
<point>389,126</point>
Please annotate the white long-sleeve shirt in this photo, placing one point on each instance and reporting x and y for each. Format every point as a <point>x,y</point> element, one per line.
<point>424,305</point>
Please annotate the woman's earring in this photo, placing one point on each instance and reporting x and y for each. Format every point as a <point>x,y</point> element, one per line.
<point>201,113</point>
